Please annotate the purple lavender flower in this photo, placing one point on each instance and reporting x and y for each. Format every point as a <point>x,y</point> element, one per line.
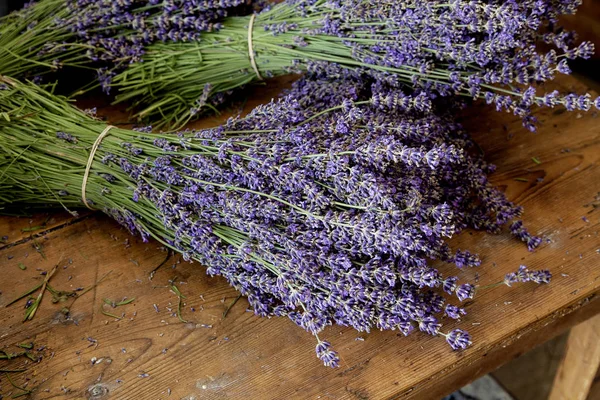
<point>458,339</point>
<point>66,137</point>
<point>450,284</point>
<point>430,325</point>
<point>477,48</point>
<point>328,356</point>
<point>510,278</point>
<point>405,327</point>
<point>522,274</point>
<point>466,259</point>
<point>454,312</point>
<point>520,232</point>
<point>465,291</point>
<point>541,276</point>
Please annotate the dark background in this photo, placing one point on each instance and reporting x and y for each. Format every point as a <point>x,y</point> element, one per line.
<point>10,5</point>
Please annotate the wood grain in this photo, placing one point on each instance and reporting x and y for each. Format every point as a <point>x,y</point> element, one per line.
<point>595,389</point>
<point>17,228</point>
<point>149,354</point>
<point>580,362</point>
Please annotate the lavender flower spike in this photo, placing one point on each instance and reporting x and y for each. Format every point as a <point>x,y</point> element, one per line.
<point>458,339</point>
<point>454,312</point>
<point>449,284</point>
<point>510,278</point>
<point>325,354</point>
<point>465,291</point>
<point>524,275</point>
<point>541,276</point>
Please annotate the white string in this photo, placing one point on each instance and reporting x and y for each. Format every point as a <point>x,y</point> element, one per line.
<point>90,161</point>
<point>250,47</point>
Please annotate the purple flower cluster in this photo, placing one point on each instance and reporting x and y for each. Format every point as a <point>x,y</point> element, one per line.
<point>524,275</point>
<point>323,206</point>
<point>118,31</point>
<point>66,137</point>
<point>329,213</point>
<point>425,49</point>
<point>483,49</point>
<point>517,229</point>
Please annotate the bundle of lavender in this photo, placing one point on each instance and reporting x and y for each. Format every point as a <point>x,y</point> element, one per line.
<point>171,59</point>
<point>479,49</point>
<point>322,206</point>
<point>48,34</point>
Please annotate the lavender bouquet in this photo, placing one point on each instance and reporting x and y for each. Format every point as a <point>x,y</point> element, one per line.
<point>46,35</point>
<point>478,49</point>
<point>171,59</point>
<point>321,206</point>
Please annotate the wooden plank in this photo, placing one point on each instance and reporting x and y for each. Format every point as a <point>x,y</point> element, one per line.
<point>530,376</point>
<point>595,389</point>
<point>580,362</point>
<point>19,228</point>
<point>243,356</point>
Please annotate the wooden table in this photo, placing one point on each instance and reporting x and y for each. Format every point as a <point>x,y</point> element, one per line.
<point>151,354</point>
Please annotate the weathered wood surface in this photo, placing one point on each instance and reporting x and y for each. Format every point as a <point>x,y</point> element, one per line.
<point>580,362</point>
<point>152,355</point>
<point>595,389</point>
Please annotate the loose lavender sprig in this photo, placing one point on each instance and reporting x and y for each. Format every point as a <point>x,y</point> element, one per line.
<point>524,275</point>
<point>320,206</point>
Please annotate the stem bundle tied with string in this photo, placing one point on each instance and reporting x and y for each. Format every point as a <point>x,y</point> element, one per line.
<point>477,49</point>
<point>171,60</point>
<point>320,206</point>
<point>47,35</point>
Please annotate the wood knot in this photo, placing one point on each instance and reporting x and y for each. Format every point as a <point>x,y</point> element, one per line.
<point>97,391</point>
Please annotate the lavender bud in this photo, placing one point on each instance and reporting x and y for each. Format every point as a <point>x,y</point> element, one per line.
<point>541,276</point>
<point>454,312</point>
<point>328,356</point>
<point>458,339</point>
<point>465,291</point>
